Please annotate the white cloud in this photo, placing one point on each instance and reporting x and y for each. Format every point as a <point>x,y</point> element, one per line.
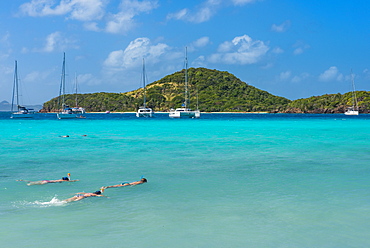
<point>300,47</point>
<point>5,54</point>
<point>205,11</point>
<point>366,73</point>
<point>51,41</point>
<point>199,43</point>
<point>285,75</point>
<point>56,42</point>
<point>202,14</point>
<point>90,11</point>
<point>242,2</point>
<point>281,28</point>
<point>277,50</point>
<point>133,54</point>
<point>331,74</point>
<point>267,66</point>
<point>123,20</point>
<point>180,15</point>
<point>83,10</point>
<point>301,77</point>
<point>199,62</point>
<point>92,26</point>
<point>298,50</point>
<point>88,79</point>
<point>87,10</point>
<point>241,50</point>
<point>120,23</point>
<point>36,76</point>
<point>5,39</point>
<point>5,42</point>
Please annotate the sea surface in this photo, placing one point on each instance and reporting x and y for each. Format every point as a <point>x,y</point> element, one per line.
<point>224,180</point>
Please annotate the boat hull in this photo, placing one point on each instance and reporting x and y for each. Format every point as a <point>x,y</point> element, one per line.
<point>71,113</point>
<point>144,112</point>
<point>351,112</point>
<point>184,113</point>
<point>22,115</point>
<point>66,116</point>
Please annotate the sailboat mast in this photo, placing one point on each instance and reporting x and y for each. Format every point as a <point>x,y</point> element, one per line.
<point>144,83</point>
<point>186,78</point>
<point>15,87</point>
<point>76,90</point>
<point>354,98</point>
<point>62,83</point>
<point>64,77</point>
<point>197,99</point>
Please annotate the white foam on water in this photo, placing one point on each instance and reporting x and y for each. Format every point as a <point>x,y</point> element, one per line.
<point>53,202</point>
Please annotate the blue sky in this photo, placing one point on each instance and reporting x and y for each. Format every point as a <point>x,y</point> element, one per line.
<point>290,48</point>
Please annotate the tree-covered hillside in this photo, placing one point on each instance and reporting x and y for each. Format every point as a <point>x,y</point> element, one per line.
<point>330,103</point>
<point>210,90</point>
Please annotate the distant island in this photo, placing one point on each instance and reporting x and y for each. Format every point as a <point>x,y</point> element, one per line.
<point>210,91</point>
<point>7,106</point>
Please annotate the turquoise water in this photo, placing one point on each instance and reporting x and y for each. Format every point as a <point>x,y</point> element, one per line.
<point>225,180</point>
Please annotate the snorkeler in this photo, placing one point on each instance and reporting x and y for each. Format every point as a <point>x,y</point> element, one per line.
<point>142,180</point>
<point>81,195</point>
<point>64,179</point>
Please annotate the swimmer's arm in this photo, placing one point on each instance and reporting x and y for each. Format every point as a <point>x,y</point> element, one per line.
<point>102,195</point>
<point>52,181</point>
<point>118,185</point>
<point>122,185</point>
<point>113,186</point>
<point>72,180</point>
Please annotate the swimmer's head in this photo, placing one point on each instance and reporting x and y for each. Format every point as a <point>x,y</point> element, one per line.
<point>65,178</point>
<point>143,180</point>
<point>98,192</point>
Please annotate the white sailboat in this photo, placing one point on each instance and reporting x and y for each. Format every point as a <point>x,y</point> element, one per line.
<point>66,111</point>
<point>353,110</point>
<point>22,111</point>
<point>144,111</point>
<point>78,110</point>
<point>184,111</point>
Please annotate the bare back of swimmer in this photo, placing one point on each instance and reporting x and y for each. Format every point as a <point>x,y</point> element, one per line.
<point>83,195</point>
<point>64,179</point>
<point>141,181</point>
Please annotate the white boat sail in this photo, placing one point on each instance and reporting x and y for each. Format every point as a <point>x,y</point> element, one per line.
<point>22,111</point>
<point>184,111</point>
<point>353,110</point>
<point>66,111</point>
<point>144,111</point>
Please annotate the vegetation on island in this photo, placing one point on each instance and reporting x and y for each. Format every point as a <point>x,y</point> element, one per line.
<point>330,103</point>
<point>210,91</point>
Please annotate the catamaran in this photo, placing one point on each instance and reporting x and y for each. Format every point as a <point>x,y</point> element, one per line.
<point>353,110</point>
<point>22,111</point>
<point>66,111</point>
<point>144,111</point>
<point>184,111</point>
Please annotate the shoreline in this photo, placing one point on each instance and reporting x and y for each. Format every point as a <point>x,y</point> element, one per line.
<point>159,112</point>
<point>162,112</point>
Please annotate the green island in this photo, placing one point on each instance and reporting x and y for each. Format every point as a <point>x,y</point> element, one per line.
<point>210,91</point>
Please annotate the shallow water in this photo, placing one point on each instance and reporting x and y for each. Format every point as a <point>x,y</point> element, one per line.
<point>225,180</point>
